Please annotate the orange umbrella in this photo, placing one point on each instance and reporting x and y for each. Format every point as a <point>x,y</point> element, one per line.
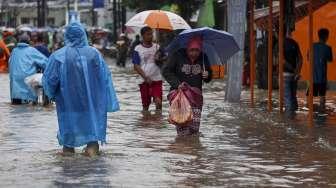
<point>158,19</point>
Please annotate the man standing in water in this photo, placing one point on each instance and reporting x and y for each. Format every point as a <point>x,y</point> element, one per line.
<point>322,56</point>
<point>143,59</point>
<point>79,80</point>
<point>292,69</point>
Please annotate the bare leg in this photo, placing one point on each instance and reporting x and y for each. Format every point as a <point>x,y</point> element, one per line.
<point>322,103</point>
<point>92,149</point>
<point>145,108</point>
<point>158,103</point>
<point>68,151</point>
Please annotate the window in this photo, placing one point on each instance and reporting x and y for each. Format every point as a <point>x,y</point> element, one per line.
<point>25,20</point>
<point>51,21</point>
<point>35,21</point>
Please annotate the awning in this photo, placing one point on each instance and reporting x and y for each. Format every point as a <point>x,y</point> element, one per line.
<point>301,10</point>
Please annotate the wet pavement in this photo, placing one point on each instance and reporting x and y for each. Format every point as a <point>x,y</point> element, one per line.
<point>239,146</point>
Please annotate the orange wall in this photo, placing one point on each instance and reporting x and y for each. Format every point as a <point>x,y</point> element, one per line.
<point>323,17</point>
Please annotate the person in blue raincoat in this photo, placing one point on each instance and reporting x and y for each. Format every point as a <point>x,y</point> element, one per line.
<point>24,61</point>
<point>78,79</point>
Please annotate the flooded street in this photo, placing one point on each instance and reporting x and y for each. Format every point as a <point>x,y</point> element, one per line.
<point>239,146</point>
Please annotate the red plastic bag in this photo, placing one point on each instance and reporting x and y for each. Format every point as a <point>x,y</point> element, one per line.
<point>181,102</point>
<point>180,111</point>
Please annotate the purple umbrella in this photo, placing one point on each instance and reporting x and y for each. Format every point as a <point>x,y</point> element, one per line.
<point>218,45</point>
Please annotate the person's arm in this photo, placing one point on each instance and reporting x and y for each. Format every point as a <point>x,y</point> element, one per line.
<point>207,73</point>
<point>136,62</point>
<point>169,72</point>
<point>39,59</point>
<point>51,77</point>
<point>299,62</point>
<point>330,55</point>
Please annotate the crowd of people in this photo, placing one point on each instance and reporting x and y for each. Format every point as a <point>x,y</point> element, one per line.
<point>77,78</point>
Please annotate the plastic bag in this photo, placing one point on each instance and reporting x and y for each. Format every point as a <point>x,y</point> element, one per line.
<point>34,82</point>
<point>181,102</point>
<point>180,110</point>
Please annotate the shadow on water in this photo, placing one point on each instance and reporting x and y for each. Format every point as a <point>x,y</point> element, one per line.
<point>153,119</point>
<point>81,171</point>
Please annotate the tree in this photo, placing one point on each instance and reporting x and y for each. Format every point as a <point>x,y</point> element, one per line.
<point>186,7</point>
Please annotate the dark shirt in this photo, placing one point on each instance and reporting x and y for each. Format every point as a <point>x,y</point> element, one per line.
<point>291,53</point>
<point>322,55</point>
<point>43,49</point>
<point>133,45</point>
<point>179,69</point>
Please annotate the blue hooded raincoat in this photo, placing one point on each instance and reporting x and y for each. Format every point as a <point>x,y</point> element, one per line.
<point>79,80</point>
<point>24,61</point>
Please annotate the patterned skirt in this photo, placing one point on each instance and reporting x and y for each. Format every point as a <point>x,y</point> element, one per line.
<point>193,127</point>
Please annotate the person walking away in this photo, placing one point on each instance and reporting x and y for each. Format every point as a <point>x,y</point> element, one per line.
<point>41,45</point>
<point>143,59</point>
<point>79,80</point>
<point>322,56</point>
<point>292,69</point>
<point>191,66</point>
<point>122,47</point>
<point>4,57</point>
<point>24,61</point>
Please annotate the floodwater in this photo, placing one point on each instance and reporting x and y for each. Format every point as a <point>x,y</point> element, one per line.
<point>239,147</point>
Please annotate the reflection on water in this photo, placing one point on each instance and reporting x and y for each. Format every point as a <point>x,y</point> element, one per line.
<point>239,146</point>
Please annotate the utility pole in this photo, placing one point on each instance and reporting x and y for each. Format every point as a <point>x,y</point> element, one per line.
<point>114,11</point>
<point>2,12</point>
<point>118,14</point>
<point>38,12</point>
<point>41,13</point>
<point>44,13</point>
<point>67,12</point>
<point>2,8</point>
<point>93,15</point>
<point>123,17</point>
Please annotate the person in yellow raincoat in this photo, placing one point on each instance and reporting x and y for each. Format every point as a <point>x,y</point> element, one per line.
<point>4,56</point>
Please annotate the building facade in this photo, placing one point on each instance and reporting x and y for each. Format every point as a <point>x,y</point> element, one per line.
<point>18,12</point>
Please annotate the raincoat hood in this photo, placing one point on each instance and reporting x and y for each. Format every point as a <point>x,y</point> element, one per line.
<point>75,35</point>
<point>22,45</point>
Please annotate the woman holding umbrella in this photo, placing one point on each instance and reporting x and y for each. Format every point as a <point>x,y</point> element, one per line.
<point>198,49</point>
<point>189,65</point>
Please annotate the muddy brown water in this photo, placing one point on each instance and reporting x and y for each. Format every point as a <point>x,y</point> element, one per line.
<point>239,147</point>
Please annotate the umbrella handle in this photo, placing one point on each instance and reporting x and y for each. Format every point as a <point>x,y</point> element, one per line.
<point>203,62</point>
<point>203,54</point>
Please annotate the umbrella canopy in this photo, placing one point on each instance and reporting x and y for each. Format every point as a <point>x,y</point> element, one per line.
<point>158,19</point>
<point>9,29</point>
<point>218,45</point>
<point>44,29</point>
<point>25,28</point>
